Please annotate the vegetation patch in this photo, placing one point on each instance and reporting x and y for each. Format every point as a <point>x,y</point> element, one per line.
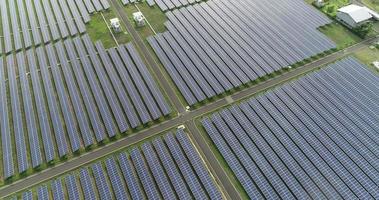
<point>98,30</point>
<point>340,35</point>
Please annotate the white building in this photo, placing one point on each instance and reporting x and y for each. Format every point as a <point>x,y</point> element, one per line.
<point>354,16</point>
<point>115,24</point>
<point>139,19</point>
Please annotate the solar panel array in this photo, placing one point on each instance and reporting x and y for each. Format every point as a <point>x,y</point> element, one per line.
<point>71,94</point>
<point>218,45</point>
<point>314,138</point>
<point>166,168</point>
<point>33,22</point>
<point>165,5</point>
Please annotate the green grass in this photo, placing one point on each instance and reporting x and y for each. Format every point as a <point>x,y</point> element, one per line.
<point>373,4</point>
<point>153,15</point>
<point>331,6</point>
<point>98,30</point>
<point>367,55</point>
<point>340,35</point>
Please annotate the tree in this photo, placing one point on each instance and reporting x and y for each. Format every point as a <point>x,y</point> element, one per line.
<point>363,30</point>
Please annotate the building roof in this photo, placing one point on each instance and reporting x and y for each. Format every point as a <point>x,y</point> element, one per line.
<point>357,13</point>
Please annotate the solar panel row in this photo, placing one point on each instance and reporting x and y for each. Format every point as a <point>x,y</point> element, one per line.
<point>90,92</point>
<point>147,171</point>
<point>96,5</point>
<point>214,46</point>
<point>58,18</point>
<point>312,138</point>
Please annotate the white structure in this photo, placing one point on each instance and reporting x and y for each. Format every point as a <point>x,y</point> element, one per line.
<point>354,16</point>
<point>115,24</point>
<point>139,19</point>
<point>319,3</point>
<point>376,64</point>
<point>181,127</point>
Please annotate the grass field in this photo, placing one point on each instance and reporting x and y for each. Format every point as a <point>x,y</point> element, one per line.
<point>153,15</point>
<point>340,35</point>
<point>98,30</point>
<point>367,55</point>
<point>373,4</point>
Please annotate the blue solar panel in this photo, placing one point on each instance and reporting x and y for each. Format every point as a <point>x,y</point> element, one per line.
<point>157,171</point>
<point>57,189</point>
<point>130,177</point>
<point>87,184</point>
<point>18,127</point>
<point>72,188</point>
<point>311,138</point>
<point>115,179</point>
<point>52,103</point>
<point>43,193</point>
<point>101,181</point>
<point>28,195</point>
<point>185,167</point>
<point>6,142</point>
<point>44,122</point>
<point>29,111</point>
<point>144,175</point>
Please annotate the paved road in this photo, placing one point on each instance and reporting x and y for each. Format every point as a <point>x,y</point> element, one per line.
<point>146,55</point>
<point>182,119</point>
<point>217,170</point>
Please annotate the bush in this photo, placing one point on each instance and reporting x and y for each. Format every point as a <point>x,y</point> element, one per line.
<point>363,30</point>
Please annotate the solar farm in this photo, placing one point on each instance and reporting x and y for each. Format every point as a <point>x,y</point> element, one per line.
<point>313,138</point>
<point>188,99</point>
<point>157,169</point>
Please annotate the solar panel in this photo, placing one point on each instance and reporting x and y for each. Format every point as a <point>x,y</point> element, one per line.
<point>57,189</point>
<point>198,165</point>
<point>101,182</point>
<point>129,177</point>
<point>130,87</point>
<point>18,127</point>
<point>149,80</point>
<point>24,24</point>
<point>144,175</point>
<point>94,85</point>
<point>229,45</point>
<point>117,85</point>
<point>72,189</point>
<point>68,18</point>
<point>63,98</point>
<point>185,168</point>
<point>29,112</point>
<point>115,179</point>
<point>306,139</point>
<point>43,193</point>
<point>41,20</point>
<point>87,184</point>
<point>157,171</point>
<point>44,122</point>
<point>28,195</point>
<point>88,98</point>
<point>32,20</point>
<point>6,26</point>
<point>15,28</point>
<point>140,84</point>
<point>172,172</point>
<point>75,96</point>
<point>52,103</point>
<point>6,142</point>
<point>48,10</point>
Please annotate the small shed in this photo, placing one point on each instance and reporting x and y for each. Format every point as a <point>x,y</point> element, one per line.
<point>116,25</point>
<point>139,19</point>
